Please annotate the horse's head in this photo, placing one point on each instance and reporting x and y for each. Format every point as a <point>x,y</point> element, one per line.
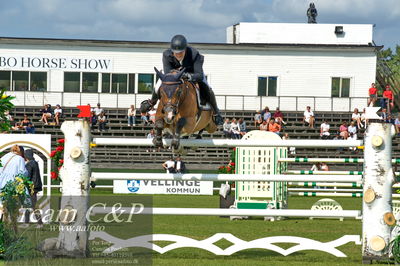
<point>170,93</point>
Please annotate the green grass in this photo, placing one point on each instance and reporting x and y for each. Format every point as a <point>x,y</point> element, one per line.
<point>202,227</point>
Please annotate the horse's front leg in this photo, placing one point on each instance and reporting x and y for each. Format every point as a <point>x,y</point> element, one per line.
<point>177,135</point>
<point>159,125</point>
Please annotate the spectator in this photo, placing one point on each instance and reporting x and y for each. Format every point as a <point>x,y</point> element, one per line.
<point>278,115</point>
<point>266,114</point>
<point>102,121</point>
<point>384,116</point>
<point>356,116</point>
<point>352,136</point>
<point>274,127</point>
<point>309,118</point>
<point>324,167</point>
<point>363,119</point>
<point>387,99</point>
<point>34,175</point>
<point>98,110</point>
<point>235,133</point>
<point>316,167</point>
<point>264,126</point>
<point>226,127</point>
<point>257,119</point>
<point>390,119</point>
<point>132,116</point>
<point>169,166</point>
<point>242,127</point>
<point>8,116</point>
<point>397,124</point>
<point>46,113</point>
<point>324,131</point>
<point>179,166</point>
<point>152,115</point>
<point>57,114</point>
<point>30,129</point>
<point>343,130</point>
<point>292,150</point>
<point>143,117</point>
<point>93,119</point>
<point>151,134</point>
<point>24,122</point>
<point>352,128</point>
<point>373,94</point>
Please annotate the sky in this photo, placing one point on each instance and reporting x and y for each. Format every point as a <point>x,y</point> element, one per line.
<point>198,20</point>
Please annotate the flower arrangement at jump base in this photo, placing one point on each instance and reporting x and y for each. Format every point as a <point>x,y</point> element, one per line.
<point>231,167</point>
<point>57,156</point>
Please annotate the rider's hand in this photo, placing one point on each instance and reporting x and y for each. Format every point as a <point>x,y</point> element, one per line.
<point>187,76</point>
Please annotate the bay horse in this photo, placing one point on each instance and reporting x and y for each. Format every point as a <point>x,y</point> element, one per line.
<point>178,112</point>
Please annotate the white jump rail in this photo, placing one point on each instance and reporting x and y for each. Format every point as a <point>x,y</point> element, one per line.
<point>224,177</point>
<point>231,143</point>
<point>228,212</point>
<point>327,160</point>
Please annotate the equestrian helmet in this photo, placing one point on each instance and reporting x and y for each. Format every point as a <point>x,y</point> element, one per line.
<point>178,44</point>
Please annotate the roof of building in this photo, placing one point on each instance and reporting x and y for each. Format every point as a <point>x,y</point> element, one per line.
<point>163,45</point>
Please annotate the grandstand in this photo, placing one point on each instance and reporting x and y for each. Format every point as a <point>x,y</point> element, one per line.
<point>204,158</point>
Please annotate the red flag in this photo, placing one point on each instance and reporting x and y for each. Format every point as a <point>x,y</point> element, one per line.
<point>85,110</point>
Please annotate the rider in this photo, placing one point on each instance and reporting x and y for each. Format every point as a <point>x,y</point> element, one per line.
<point>180,55</point>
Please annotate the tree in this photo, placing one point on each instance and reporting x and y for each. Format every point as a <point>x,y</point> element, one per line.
<point>388,71</point>
<point>5,105</point>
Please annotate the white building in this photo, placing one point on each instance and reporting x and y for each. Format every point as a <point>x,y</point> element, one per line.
<point>329,67</point>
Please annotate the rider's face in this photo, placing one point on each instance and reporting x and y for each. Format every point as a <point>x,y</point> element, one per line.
<point>179,56</point>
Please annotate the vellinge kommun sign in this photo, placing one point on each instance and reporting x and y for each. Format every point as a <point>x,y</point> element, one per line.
<point>163,187</point>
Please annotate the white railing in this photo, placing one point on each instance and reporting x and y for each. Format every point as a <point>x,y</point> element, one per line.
<point>225,102</point>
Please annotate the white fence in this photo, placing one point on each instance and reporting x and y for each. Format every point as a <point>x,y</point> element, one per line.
<point>225,102</point>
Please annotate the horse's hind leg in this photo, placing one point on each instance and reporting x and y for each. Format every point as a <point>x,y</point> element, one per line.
<point>176,138</point>
<point>159,125</point>
<point>198,136</point>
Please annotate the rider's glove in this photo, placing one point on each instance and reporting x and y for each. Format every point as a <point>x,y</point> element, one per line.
<point>187,76</point>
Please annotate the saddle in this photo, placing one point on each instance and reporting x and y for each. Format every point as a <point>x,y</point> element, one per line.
<point>202,102</point>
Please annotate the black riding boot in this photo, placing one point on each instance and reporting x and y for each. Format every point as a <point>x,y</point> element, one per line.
<point>146,105</point>
<point>213,102</point>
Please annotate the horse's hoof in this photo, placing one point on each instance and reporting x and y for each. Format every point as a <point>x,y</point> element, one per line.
<point>157,142</point>
<point>175,144</point>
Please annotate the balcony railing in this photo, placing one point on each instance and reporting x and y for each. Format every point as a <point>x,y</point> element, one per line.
<point>225,102</point>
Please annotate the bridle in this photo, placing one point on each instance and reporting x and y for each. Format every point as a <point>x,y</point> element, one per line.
<point>181,94</point>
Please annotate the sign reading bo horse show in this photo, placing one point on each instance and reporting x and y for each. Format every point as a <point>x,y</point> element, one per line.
<point>163,187</point>
<point>49,62</point>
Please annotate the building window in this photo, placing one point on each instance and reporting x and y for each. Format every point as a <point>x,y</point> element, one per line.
<point>90,82</point>
<point>38,81</point>
<point>131,87</point>
<point>5,80</point>
<point>72,81</point>
<point>145,83</point>
<point>340,87</point>
<point>20,80</point>
<point>267,86</point>
<point>105,82</point>
<point>119,83</point>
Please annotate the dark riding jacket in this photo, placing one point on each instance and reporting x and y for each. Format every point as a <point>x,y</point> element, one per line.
<point>192,62</point>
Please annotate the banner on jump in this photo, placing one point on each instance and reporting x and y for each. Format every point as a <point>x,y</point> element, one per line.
<point>163,187</point>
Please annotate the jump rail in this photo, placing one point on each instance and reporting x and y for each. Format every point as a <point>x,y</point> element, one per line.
<point>327,160</point>
<point>224,177</point>
<point>229,212</point>
<point>231,143</point>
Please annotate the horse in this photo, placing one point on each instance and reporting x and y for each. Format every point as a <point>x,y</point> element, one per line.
<point>178,112</point>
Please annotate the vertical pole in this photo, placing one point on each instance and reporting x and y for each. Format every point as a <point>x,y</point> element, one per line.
<point>75,175</point>
<point>377,190</point>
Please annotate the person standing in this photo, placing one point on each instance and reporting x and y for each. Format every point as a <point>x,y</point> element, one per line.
<point>32,168</point>
<point>169,166</point>
<point>387,101</point>
<point>373,94</point>
<point>12,165</point>
<point>179,166</point>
